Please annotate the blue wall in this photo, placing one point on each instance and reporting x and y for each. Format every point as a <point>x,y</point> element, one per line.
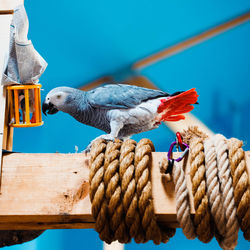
<point>83,40</point>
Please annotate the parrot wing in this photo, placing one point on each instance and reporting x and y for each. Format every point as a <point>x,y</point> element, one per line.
<point>122,96</point>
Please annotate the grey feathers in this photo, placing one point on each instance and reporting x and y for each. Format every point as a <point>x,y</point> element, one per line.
<point>121,96</point>
<point>103,105</point>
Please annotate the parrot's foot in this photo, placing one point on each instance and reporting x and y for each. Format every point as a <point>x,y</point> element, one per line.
<point>107,137</point>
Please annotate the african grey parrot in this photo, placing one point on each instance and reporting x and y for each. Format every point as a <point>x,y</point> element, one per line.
<point>118,109</point>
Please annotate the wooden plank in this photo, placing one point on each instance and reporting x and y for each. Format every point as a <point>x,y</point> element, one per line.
<point>183,45</point>
<point>43,191</point>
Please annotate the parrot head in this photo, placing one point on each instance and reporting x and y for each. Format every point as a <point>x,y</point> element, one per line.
<point>56,100</point>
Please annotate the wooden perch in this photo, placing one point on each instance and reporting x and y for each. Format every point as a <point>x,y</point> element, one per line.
<point>45,191</point>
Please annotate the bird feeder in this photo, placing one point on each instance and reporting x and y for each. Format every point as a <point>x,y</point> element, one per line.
<point>24,105</point>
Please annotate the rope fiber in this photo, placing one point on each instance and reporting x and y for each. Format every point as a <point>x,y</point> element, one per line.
<point>121,191</point>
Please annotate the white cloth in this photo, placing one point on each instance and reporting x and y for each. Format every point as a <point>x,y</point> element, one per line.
<point>25,65</point>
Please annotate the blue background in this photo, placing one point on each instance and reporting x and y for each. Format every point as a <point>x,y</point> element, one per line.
<point>84,40</point>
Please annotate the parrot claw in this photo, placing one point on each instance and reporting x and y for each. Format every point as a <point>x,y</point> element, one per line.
<point>106,137</point>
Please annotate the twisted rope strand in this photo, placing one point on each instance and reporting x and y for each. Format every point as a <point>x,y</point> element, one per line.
<point>144,193</point>
<point>113,192</point>
<point>240,184</point>
<point>202,218</point>
<point>232,227</point>
<point>121,191</point>
<point>128,187</point>
<point>97,190</point>
<point>213,189</point>
<point>182,202</point>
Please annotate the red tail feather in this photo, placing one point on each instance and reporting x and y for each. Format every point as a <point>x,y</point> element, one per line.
<point>172,107</point>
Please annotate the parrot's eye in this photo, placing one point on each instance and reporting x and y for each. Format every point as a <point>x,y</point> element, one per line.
<point>58,96</point>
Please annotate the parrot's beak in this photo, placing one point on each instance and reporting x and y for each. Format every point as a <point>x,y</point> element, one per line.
<point>49,108</point>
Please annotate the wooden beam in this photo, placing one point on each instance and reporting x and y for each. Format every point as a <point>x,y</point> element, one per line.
<point>43,191</point>
<point>176,48</point>
<point>183,45</point>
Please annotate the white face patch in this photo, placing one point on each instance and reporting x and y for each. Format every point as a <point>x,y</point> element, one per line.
<point>56,98</point>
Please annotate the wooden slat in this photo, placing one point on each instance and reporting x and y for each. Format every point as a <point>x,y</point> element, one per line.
<point>42,191</point>
<point>179,47</point>
<point>37,108</point>
<point>8,130</point>
<point>27,106</point>
<point>17,118</point>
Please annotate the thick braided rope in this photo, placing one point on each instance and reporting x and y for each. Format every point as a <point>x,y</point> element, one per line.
<point>97,190</point>
<point>113,192</point>
<point>111,204</point>
<point>144,192</point>
<point>182,202</point>
<point>213,188</point>
<point>128,187</point>
<point>240,184</point>
<point>232,227</point>
<point>202,218</point>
